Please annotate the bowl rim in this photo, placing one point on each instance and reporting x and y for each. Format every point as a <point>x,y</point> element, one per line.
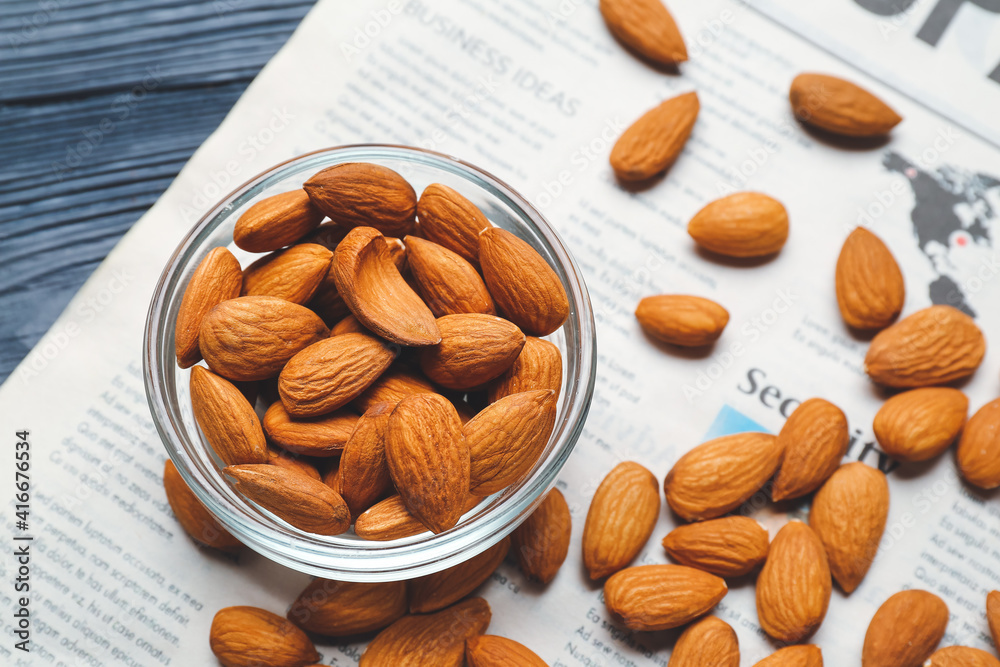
<point>369,560</point>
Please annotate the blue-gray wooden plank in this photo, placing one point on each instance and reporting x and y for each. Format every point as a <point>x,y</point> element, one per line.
<point>101,104</point>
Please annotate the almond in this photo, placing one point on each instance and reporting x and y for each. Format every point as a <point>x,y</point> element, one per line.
<point>450,220</point>
<point>849,514</point>
<point>839,106</point>
<point>376,293</point>
<point>524,287</point>
<point>920,424</point>
<point>507,438</point>
<point>869,284</point>
<point>228,422</point>
<point>251,337</point>
<point>364,471</point>
<point>327,302</point>
<point>905,630</point>
<point>539,366</point>
<point>432,639</point>
<point>200,524</point>
<point>474,349</point>
<point>993,615</point>
<point>283,459</point>
<point>979,449</point>
<point>814,440</point>
<point>332,476</point>
<point>275,222</point>
<point>660,597</point>
<point>961,656</point>
<point>217,278</point>
<point>744,460</point>
<point>621,518</point>
<point>647,28</point>
<point>805,655</point>
<point>331,373</point>
<point>309,436</point>
<point>676,319</point>
<point>728,547</point>
<point>448,283</point>
<point>348,325</point>
<point>743,224</point>
<point>359,194</point>
<point>346,608</point>
<point>305,503</point>
<point>541,543</point>
<point>709,641</point>
<point>493,651</point>
<point>252,637</point>
<point>655,141</point>
<point>393,386</point>
<point>429,459</point>
<point>794,587</point>
<point>441,589</point>
<point>932,346</point>
<point>293,274</point>
<point>390,520</point>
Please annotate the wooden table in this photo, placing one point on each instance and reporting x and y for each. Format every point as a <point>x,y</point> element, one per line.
<point>101,104</point>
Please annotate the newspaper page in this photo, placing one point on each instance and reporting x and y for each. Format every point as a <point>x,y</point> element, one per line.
<point>535,93</point>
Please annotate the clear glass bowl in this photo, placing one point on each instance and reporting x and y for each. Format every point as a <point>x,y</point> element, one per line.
<point>348,557</point>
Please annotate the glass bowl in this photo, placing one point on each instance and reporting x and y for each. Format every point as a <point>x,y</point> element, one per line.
<point>347,557</point>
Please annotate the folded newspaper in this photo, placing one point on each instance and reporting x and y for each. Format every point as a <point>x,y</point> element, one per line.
<point>537,93</point>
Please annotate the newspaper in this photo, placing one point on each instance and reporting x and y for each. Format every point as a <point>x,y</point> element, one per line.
<point>535,93</point>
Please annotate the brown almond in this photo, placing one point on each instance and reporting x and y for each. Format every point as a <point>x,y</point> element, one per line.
<point>252,637</point>
<point>293,462</point>
<point>869,284</point>
<point>450,220</point>
<point>359,194</point>
<point>932,346</point>
<point>794,586</point>
<point>325,435</point>
<point>229,423</point>
<point>448,283</point>
<point>743,224</point>
<point>251,337</point>
<point>200,524</point>
<point>905,630</point>
<point>677,319</point>
<point>539,366</point>
<point>920,424</point>
<point>979,448</point>
<point>647,28</point>
<point>442,589</point>
<point>293,274</point>
<point>494,651</point>
<point>429,459</point>
<point>331,373</point>
<point>709,641</point>
<point>393,386</point>
<point>429,639</point>
<point>660,597</point>
<point>364,471</point>
<point>347,608</point>
<point>728,547</point>
<point>507,437</point>
<point>276,221</point>
<point>348,325</point>
<point>848,515</point>
<point>656,139</point>
<point>993,615</point>
<point>621,518</point>
<point>302,501</point>
<point>961,656</point>
<point>388,520</point>
<point>839,106</point>
<point>541,543</point>
<point>376,293</point>
<point>745,460</point>
<point>332,476</point>
<point>524,287</point>
<point>814,440</point>
<point>217,278</point>
<point>803,655</point>
<point>474,349</point>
